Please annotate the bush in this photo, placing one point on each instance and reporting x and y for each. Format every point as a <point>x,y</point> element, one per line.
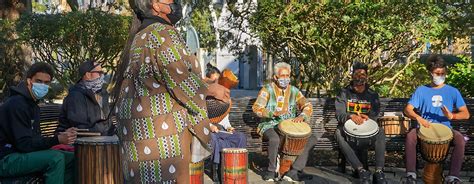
<point>66,40</point>
<point>461,76</point>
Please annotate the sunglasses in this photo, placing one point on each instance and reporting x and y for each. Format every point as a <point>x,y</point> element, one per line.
<point>99,72</point>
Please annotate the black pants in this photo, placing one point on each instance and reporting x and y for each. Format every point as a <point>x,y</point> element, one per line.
<point>349,151</point>
<point>273,145</point>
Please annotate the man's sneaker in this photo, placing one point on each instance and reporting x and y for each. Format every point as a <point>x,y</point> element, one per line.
<point>364,176</point>
<point>454,181</point>
<point>269,176</point>
<point>409,180</point>
<point>379,178</point>
<point>291,175</point>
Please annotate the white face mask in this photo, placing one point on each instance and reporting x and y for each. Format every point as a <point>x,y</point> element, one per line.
<point>438,80</point>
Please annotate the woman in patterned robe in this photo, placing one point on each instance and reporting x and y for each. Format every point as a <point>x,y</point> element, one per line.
<point>161,102</point>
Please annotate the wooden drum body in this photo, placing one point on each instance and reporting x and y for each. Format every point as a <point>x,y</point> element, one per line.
<point>434,144</point>
<point>234,166</point>
<point>294,139</point>
<point>98,160</point>
<point>196,173</point>
<point>394,126</point>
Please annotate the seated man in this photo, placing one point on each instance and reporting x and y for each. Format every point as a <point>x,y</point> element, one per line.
<point>23,150</point>
<point>435,102</point>
<point>85,107</point>
<point>276,102</point>
<point>358,94</point>
<point>224,135</point>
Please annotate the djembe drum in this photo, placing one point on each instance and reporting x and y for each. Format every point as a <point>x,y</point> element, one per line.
<point>98,160</point>
<point>228,79</point>
<point>294,139</point>
<point>362,135</point>
<point>217,110</point>
<point>234,166</point>
<point>394,126</point>
<point>196,172</point>
<point>434,144</point>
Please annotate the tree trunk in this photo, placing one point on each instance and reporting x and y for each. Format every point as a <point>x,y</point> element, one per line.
<point>16,57</point>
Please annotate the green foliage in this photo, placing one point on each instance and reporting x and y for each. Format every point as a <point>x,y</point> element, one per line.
<point>404,85</point>
<point>461,76</point>
<point>201,19</point>
<point>328,37</point>
<point>66,40</point>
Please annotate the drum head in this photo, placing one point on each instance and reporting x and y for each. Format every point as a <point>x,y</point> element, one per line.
<point>234,150</point>
<point>368,128</point>
<point>288,127</point>
<point>98,140</point>
<point>437,132</point>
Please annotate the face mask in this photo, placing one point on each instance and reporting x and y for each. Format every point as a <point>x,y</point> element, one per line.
<point>359,82</point>
<point>284,82</point>
<point>175,14</point>
<point>438,80</point>
<point>39,90</point>
<point>95,85</point>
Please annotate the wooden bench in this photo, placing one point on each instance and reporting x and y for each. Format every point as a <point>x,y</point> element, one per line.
<point>323,124</point>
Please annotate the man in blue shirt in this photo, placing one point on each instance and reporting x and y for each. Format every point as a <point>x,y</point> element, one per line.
<point>435,102</point>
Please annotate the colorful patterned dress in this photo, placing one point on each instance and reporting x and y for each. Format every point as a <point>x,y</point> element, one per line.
<point>162,100</point>
<point>271,99</point>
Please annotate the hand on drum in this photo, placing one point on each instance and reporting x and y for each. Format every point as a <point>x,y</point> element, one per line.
<point>447,113</point>
<point>67,137</point>
<point>231,129</point>
<point>298,119</point>
<point>423,122</point>
<point>219,92</point>
<point>359,119</point>
<point>213,128</point>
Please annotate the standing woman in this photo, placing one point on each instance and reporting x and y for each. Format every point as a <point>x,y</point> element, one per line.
<point>160,98</point>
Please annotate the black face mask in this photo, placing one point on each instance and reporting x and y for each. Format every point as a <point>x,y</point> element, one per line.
<point>359,82</point>
<point>175,14</point>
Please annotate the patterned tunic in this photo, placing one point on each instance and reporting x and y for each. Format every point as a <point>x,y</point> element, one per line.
<point>162,100</point>
<point>271,99</point>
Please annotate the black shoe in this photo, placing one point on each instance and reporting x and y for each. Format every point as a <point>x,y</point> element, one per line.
<point>379,178</point>
<point>304,176</point>
<point>269,176</point>
<point>409,180</point>
<point>364,176</point>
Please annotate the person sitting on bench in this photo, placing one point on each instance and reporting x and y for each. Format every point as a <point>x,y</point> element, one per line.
<point>86,106</point>
<point>23,150</point>
<point>357,102</point>
<point>223,134</point>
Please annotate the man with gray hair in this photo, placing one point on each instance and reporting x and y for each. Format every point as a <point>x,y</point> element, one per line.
<point>278,101</point>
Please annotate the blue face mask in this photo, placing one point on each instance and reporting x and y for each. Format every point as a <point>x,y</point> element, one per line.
<point>39,90</point>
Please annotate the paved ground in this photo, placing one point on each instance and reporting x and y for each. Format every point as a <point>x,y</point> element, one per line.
<point>328,175</point>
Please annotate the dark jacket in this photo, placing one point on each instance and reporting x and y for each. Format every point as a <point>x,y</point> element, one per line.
<point>80,109</point>
<point>349,96</point>
<point>19,124</point>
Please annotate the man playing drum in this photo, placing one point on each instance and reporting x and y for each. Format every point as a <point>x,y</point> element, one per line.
<point>359,104</point>
<point>276,102</point>
<point>435,103</point>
